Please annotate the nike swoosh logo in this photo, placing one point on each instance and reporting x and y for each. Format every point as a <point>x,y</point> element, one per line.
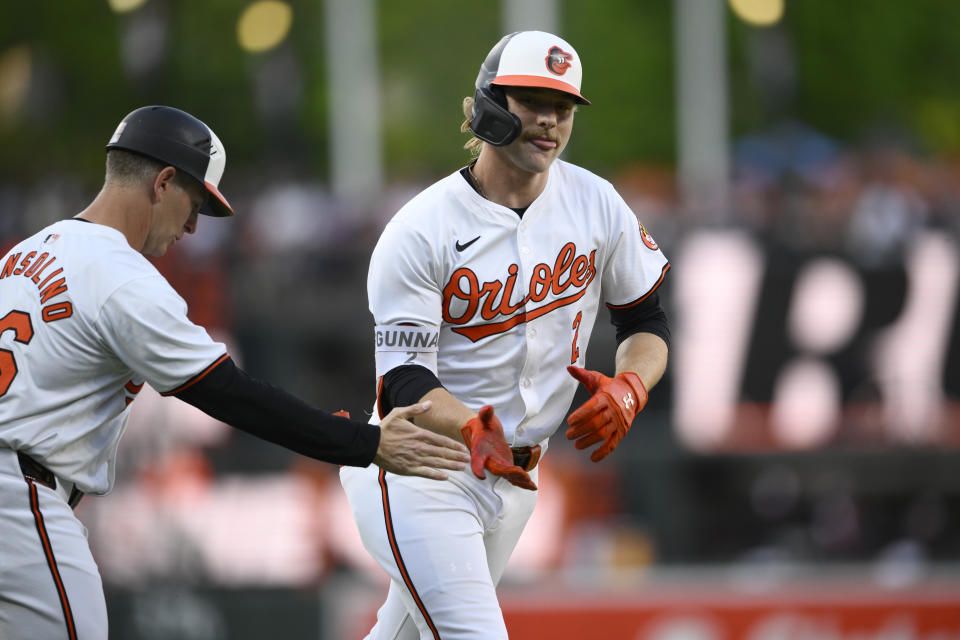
<point>461,247</point>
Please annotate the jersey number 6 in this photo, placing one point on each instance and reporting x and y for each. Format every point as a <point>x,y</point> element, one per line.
<point>19,323</point>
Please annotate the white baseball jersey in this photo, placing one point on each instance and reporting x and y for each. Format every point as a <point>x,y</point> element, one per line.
<point>496,306</point>
<point>84,321</point>
<point>502,304</point>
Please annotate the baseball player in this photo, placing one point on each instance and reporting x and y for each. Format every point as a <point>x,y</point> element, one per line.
<point>484,290</point>
<point>85,321</point>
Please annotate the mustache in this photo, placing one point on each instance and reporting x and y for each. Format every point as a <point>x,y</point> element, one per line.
<point>540,133</point>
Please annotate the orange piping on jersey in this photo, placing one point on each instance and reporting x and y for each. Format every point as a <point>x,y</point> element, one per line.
<point>479,331</point>
<point>197,377</point>
<point>394,547</point>
<point>51,560</point>
<point>663,274</point>
<point>133,390</point>
<point>380,397</point>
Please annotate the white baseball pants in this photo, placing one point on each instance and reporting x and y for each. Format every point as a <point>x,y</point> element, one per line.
<point>444,546</point>
<point>49,583</point>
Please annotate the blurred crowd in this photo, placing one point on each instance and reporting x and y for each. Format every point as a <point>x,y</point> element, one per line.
<point>283,284</point>
<point>798,188</point>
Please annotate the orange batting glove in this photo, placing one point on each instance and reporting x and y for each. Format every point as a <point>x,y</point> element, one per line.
<point>489,449</point>
<point>608,414</point>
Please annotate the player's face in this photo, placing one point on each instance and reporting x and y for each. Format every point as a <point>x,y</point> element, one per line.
<point>175,214</point>
<point>547,119</point>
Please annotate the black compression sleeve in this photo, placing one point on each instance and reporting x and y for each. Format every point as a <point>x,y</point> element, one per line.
<point>228,394</point>
<point>644,317</point>
<point>405,385</point>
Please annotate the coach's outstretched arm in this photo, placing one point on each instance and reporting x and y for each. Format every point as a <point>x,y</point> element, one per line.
<point>407,449</point>
<point>228,394</point>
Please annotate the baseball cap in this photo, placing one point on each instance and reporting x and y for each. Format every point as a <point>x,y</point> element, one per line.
<point>180,140</point>
<point>534,59</point>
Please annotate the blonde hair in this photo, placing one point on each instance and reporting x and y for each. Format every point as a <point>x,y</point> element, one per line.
<point>474,144</point>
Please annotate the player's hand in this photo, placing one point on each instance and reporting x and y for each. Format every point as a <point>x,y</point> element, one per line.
<point>607,415</point>
<point>408,450</point>
<point>343,413</point>
<point>489,449</point>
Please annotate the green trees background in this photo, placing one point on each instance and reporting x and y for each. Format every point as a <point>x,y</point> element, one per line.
<point>844,68</point>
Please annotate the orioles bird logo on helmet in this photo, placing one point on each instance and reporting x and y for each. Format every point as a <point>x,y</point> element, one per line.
<point>558,61</point>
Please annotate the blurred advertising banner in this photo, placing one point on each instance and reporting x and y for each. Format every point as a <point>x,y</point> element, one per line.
<point>699,606</point>
<point>823,614</point>
<point>781,350</point>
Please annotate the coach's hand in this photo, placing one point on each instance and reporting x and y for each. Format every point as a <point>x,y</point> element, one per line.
<point>408,450</point>
<point>607,415</point>
<point>489,449</point>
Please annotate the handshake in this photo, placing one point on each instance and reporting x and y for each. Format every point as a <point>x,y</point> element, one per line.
<point>605,417</point>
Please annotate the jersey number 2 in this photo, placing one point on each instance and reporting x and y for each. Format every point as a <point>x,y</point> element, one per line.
<point>575,350</point>
<point>19,323</point>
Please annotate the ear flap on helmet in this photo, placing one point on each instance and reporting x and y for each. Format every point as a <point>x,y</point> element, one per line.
<point>491,121</point>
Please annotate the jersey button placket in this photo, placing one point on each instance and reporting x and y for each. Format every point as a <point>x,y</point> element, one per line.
<point>525,263</point>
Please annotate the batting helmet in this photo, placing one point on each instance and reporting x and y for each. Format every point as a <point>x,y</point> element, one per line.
<point>521,59</point>
<point>176,138</point>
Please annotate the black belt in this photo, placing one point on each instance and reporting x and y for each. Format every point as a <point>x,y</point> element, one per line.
<point>527,457</point>
<point>38,473</point>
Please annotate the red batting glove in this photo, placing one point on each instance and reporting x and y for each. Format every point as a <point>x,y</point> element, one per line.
<point>489,449</point>
<point>608,414</point>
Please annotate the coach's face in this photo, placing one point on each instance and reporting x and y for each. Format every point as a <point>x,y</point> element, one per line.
<point>547,119</point>
<point>175,212</point>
